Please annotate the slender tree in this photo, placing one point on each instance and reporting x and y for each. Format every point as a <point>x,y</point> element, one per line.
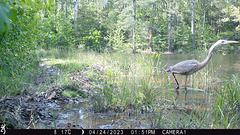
<point>76,16</point>
<point>193,23</point>
<point>175,20</point>
<point>66,8</point>
<point>150,39</point>
<point>134,26</point>
<point>62,5</point>
<point>204,20</point>
<point>169,26</point>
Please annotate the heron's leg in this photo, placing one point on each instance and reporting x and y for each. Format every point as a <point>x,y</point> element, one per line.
<point>176,81</point>
<point>186,87</point>
<point>176,87</point>
<point>177,94</point>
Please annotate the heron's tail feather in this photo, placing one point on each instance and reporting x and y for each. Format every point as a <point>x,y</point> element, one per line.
<point>168,69</point>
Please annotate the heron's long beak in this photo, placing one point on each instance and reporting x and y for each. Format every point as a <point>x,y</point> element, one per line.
<point>232,42</point>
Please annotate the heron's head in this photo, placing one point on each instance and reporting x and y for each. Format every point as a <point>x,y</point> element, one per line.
<point>224,42</point>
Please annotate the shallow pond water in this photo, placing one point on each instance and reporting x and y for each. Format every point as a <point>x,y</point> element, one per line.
<point>78,114</point>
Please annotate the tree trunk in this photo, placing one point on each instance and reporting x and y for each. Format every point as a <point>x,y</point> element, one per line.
<point>204,13</point>
<point>133,41</point>
<point>76,16</point>
<point>62,5</point>
<point>55,15</point>
<point>175,21</point>
<point>183,26</point>
<point>193,24</point>
<point>150,40</point>
<point>66,9</point>
<point>170,28</point>
<point>56,4</point>
<point>158,16</point>
<point>133,29</point>
<point>45,10</point>
<point>204,19</point>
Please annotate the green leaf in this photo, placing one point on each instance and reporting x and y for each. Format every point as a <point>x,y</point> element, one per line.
<point>11,1</point>
<point>153,55</point>
<point>14,16</point>
<point>4,17</point>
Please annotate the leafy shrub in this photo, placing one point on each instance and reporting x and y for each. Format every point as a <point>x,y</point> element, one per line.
<point>94,42</point>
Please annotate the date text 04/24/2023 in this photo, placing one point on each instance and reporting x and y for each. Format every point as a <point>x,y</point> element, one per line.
<point>105,132</point>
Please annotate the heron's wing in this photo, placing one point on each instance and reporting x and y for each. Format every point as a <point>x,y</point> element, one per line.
<point>185,67</point>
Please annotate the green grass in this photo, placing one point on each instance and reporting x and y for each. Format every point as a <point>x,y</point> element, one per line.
<point>16,72</point>
<point>73,91</point>
<point>227,107</point>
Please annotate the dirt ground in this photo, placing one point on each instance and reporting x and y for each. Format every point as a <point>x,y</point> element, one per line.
<point>25,110</point>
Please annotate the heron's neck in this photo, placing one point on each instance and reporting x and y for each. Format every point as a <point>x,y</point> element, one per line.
<point>204,63</point>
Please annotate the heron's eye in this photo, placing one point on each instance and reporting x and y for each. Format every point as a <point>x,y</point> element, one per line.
<point>222,41</point>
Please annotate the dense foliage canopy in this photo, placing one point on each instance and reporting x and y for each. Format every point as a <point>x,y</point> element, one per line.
<point>114,25</point>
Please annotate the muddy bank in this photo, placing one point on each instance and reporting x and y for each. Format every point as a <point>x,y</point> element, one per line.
<point>27,110</point>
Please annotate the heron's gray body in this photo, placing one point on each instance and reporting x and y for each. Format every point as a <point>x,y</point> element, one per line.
<point>186,67</point>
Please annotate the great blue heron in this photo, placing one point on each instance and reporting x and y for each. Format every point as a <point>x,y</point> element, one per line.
<point>189,67</point>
